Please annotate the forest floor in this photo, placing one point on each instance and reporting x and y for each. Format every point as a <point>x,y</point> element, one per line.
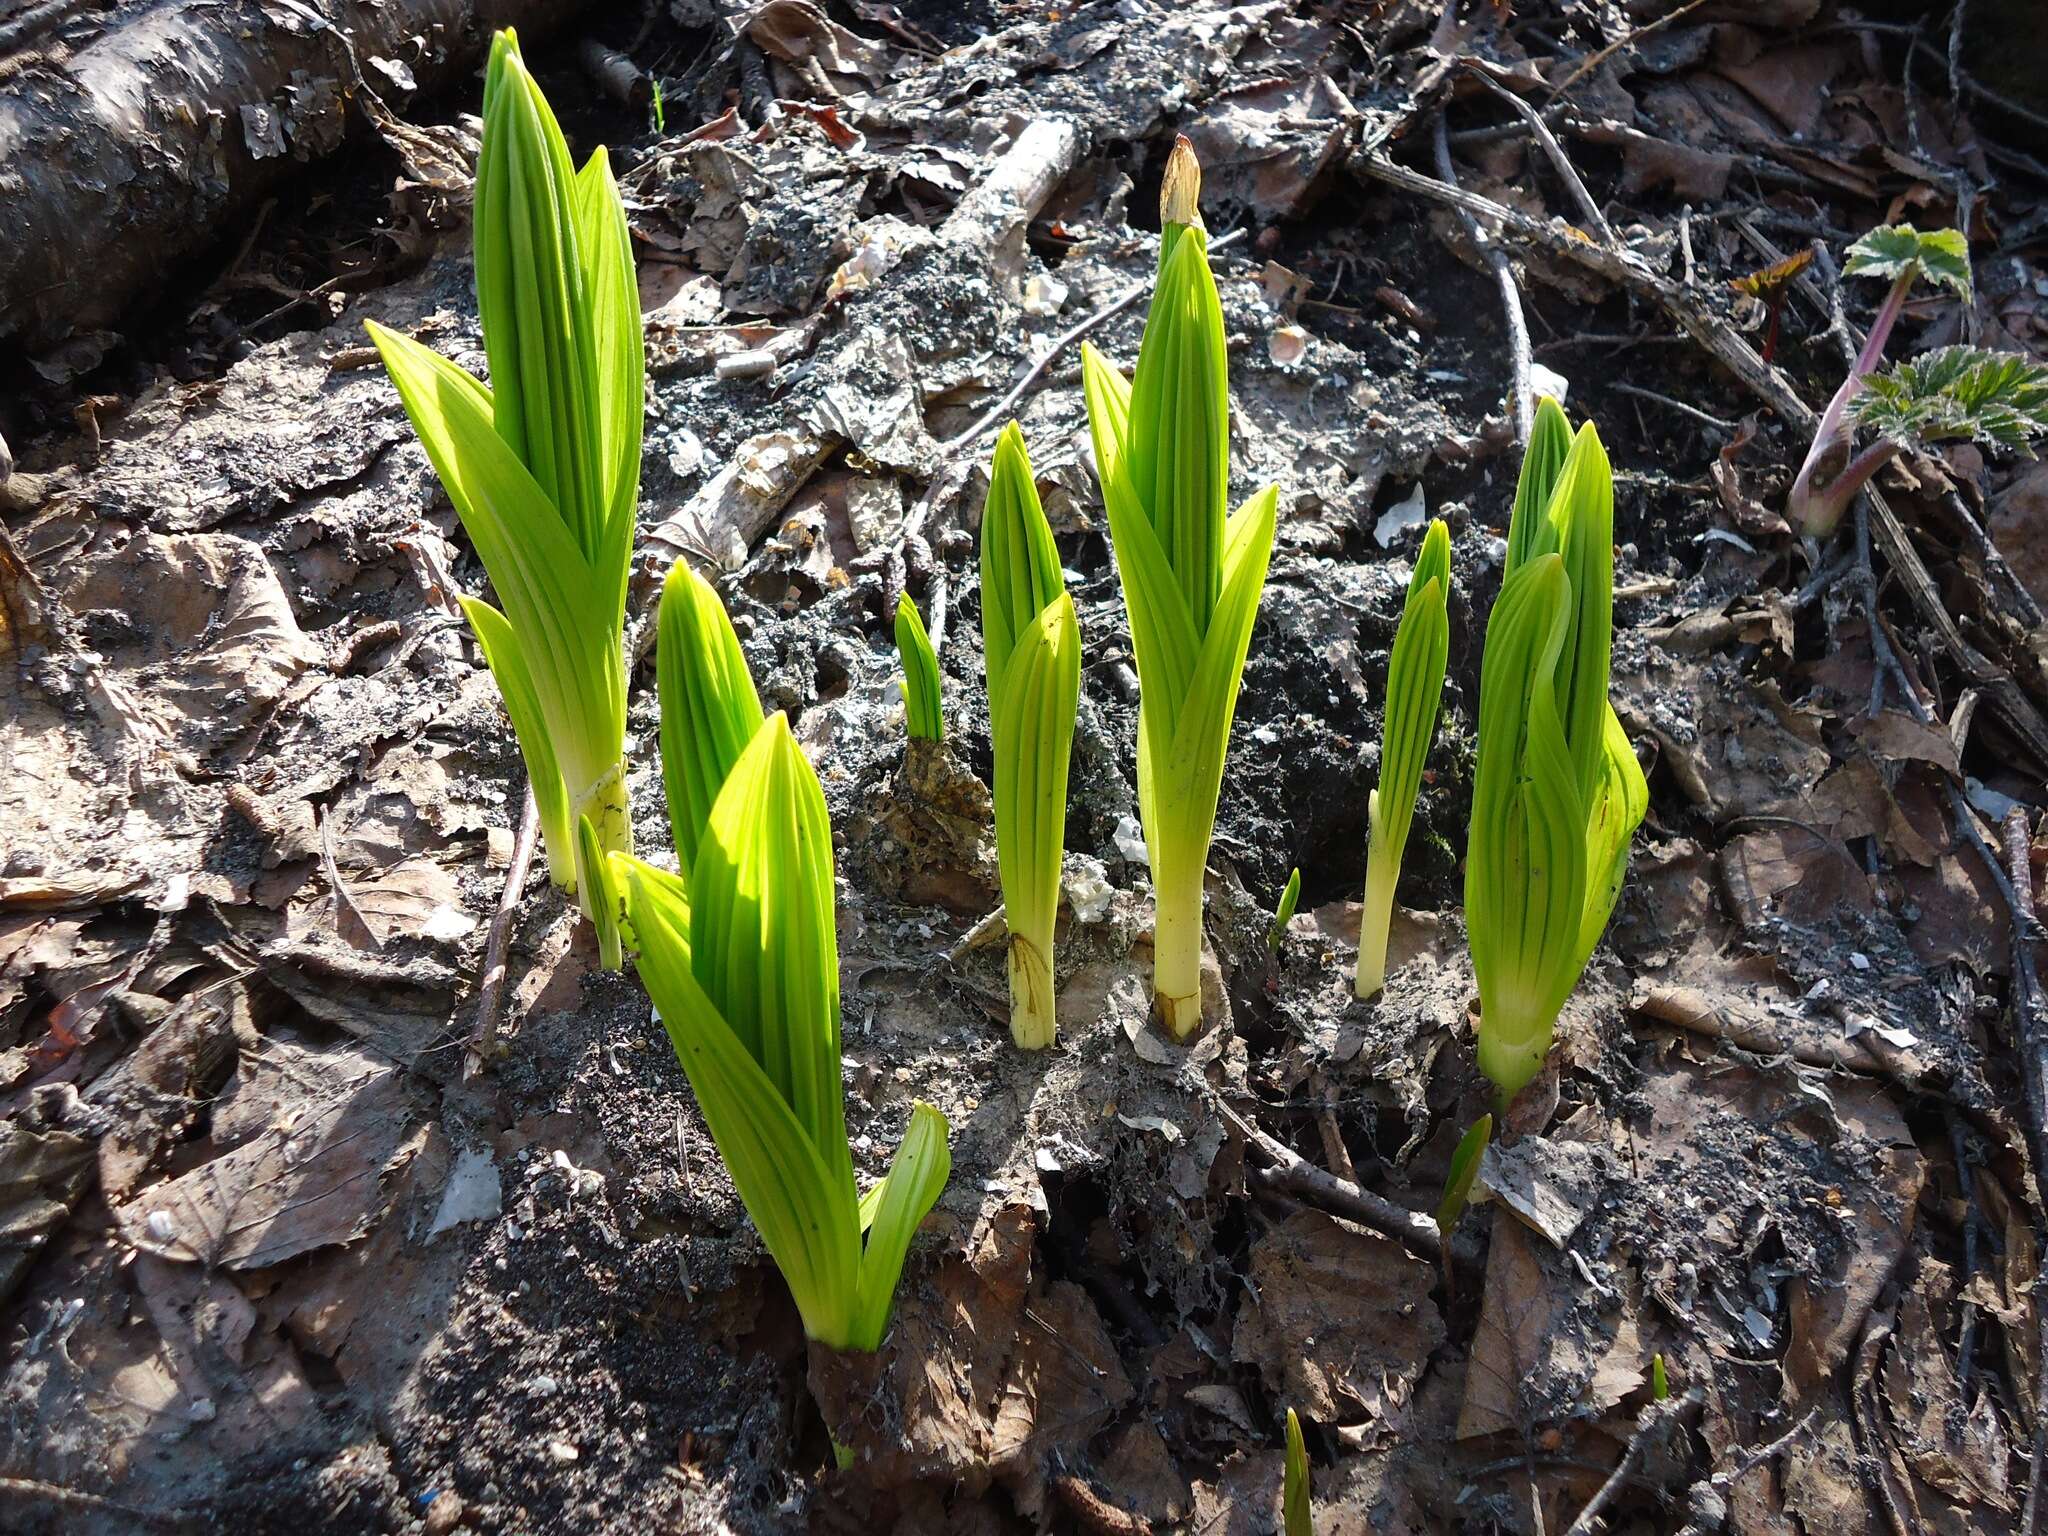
<point>286,1247</point>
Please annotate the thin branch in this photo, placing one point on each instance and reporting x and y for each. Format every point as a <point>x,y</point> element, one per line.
<point>490,992</point>
<point>1293,1172</point>
<point>1510,295</point>
<point>1656,1421</point>
<point>1559,160</point>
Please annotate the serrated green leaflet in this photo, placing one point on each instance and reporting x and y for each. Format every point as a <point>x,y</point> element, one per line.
<point>1296,1516</point>
<point>1557,792</point>
<point>921,711</point>
<point>1191,579</point>
<point>544,469</point>
<point>1996,398</point>
<point>1899,250</point>
<point>709,710</point>
<point>1415,684</point>
<point>742,964</point>
<point>1033,653</point>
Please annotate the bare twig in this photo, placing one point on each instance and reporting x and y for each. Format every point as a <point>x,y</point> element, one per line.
<point>1719,423</point>
<point>1593,61</point>
<point>1060,343</point>
<point>1510,295</point>
<point>1559,160</point>
<point>490,992</point>
<point>1293,1172</point>
<point>1655,1422</point>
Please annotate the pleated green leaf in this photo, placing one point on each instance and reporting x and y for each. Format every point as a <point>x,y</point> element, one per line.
<point>922,715</point>
<point>1530,531</point>
<point>1525,867</point>
<point>917,1176</point>
<point>1415,683</point>
<point>500,645</point>
<point>1020,565</point>
<point>794,1191</point>
<point>1464,1170</point>
<point>1582,512</point>
<point>545,587</point>
<point>593,878</point>
<point>762,930</point>
<point>1296,1516</point>
<point>709,710</point>
<point>1032,726</point>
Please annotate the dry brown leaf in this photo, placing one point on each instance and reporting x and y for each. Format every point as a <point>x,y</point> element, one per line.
<point>1339,1320</point>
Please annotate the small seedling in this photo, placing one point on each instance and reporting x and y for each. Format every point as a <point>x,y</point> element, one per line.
<point>1290,898</point>
<point>1557,794</point>
<point>1660,1384</point>
<point>1033,653</point>
<point>1902,253</point>
<point>1415,686</point>
<point>1297,1519</point>
<point>1464,1170</point>
<point>920,674</point>
<point>1191,579</point>
<point>544,466</point>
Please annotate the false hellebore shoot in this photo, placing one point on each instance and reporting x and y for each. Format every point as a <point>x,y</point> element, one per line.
<point>1415,686</point>
<point>1283,912</point>
<point>1033,657</point>
<point>1557,792</point>
<point>920,674</point>
<point>544,466</point>
<point>1191,579</point>
<point>741,958</point>
<point>1296,1517</point>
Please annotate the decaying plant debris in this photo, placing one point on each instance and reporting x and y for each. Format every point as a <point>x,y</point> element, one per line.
<point>286,1243</point>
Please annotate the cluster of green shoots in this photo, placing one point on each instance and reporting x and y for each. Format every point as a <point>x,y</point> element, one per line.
<point>1952,394</point>
<point>737,947</point>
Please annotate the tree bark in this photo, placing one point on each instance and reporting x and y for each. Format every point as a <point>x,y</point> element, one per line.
<point>139,150</point>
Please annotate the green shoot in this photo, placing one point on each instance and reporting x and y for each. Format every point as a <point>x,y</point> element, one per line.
<point>655,107</point>
<point>1660,1383</point>
<point>1033,651</point>
<point>1415,686</point>
<point>1999,399</point>
<point>544,467</point>
<point>1191,580</point>
<point>1464,1169</point>
<point>1822,491</point>
<point>741,958</point>
<point>920,674</point>
<point>709,711</point>
<point>1558,793</point>
<point>1290,898</point>
<point>1296,1516</point>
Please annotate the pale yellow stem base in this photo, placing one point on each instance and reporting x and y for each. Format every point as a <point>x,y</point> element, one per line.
<point>1177,960</point>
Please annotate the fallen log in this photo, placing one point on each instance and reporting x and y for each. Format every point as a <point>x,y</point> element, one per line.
<point>138,150</point>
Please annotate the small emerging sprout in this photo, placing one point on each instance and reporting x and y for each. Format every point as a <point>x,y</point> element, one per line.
<point>920,674</point>
<point>1660,1384</point>
<point>1464,1169</point>
<point>1290,898</point>
<point>1033,653</point>
<point>1415,687</point>
<point>544,466</point>
<point>1558,793</point>
<point>1820,493</point>
<point>741,958</point>
<point>1191,579</point>
<point>1297,1518</point>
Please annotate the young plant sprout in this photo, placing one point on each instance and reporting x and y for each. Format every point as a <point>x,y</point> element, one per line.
<point>1415,686</point>
<point>1464,1169</point>
<point>742,961</point>
<point>709,710</point>
<point>1296,1516</point>
<point>920,674</point>
<point>1557,793</point>
<point>1999,399</point>
<point>1902,253</point>
<point>1290,898</point>
<point>544,466</point>
<point>1660,1382</point>
<point>1191,579</point>
<point>1033,652</point>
